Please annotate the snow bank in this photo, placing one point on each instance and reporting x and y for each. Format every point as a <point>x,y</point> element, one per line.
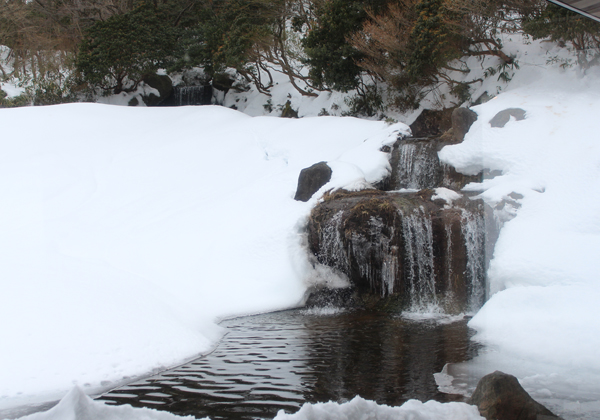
<point>78,406</point>
<point>127,232</point>
<point>360,409</point>
<point>542,322</point>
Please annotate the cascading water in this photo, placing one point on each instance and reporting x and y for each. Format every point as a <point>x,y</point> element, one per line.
<point>418,165</point>
<point>474,232</point>
<point>190,95</point>
<point>418,246</point>
<point>332,251</point>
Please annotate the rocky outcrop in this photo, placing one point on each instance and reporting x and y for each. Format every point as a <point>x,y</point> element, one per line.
<point>311,179</point>
<point>432,123</point>
<point>462,120</point>
<point>499,396</point>
<point>404,246</point>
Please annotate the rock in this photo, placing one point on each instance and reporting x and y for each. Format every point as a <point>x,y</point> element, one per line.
<point>133,102</point>
<point>499,396</point>
<point>162,83</point>
<point>288,111</point>
<point>404,247</point>
<point>311,179</point>
<point>502,117</point>
<point>432,123</point>
<point>462,120</point>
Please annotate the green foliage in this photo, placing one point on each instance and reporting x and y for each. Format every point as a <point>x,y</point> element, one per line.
<point>564,26</point>
<point>332,59</point>
<point>17,101</point>
<point>432,43</point>
<point>227,34</point>
<point>116,54</point>
<point>368,102</point>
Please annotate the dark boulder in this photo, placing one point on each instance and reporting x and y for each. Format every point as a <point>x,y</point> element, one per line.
<point>502,117</point>
<point>162,84</point>
<point>462,120</point>
<point>311,179</point>
<point>432,123</point>
<point>499,396</point>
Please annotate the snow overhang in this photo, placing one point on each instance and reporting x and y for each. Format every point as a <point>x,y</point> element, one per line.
<point>589,8</point>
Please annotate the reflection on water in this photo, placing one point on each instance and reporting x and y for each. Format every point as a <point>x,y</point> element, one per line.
<point>281,360</point>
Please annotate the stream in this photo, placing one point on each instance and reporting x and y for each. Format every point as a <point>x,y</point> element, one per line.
<point>281,360</point>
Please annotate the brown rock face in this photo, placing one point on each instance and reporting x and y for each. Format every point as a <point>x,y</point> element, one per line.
<point>499,396</point>
<point>432,123</point>
<point>404,245</point>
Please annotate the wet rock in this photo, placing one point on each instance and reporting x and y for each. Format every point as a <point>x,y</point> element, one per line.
<point>311,179</point>
<point>462,120</point>
<point>499,396</point>
<point>404,247</point>
<point>324,297</point>
<point>502,117</point>
<point>432,123</point>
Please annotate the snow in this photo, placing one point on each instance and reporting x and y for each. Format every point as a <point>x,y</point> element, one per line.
<point>78,406</point>
<point>128,232</point>
<point>542,322</point>
<point>361,409</point>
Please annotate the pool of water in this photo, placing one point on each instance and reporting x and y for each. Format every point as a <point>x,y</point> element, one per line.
<point>281,360</point>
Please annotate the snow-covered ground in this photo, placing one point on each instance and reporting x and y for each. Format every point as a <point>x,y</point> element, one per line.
<point>542,322</point>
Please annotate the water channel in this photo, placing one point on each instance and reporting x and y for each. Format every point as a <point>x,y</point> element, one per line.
<point>281,360</point>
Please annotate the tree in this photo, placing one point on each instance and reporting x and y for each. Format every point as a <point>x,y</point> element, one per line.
<point>115,54</point>
<point>333,60</point>
<point>564,26</point>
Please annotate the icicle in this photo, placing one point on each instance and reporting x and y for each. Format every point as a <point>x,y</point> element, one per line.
<point>332,248</point>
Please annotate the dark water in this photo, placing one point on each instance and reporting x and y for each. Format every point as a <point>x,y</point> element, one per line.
<point>281,360</point>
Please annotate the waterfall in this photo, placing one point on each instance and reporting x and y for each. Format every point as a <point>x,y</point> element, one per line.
<point>474,232</point>
<point>418,245</point>
<point>190,95</point>
<point>332,251</point>
<point>418,165</point>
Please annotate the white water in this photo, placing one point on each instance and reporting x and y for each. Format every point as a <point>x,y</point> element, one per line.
<point>418,245</point>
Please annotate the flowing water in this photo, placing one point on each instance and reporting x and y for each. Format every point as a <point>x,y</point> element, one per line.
<point>280,360</point>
